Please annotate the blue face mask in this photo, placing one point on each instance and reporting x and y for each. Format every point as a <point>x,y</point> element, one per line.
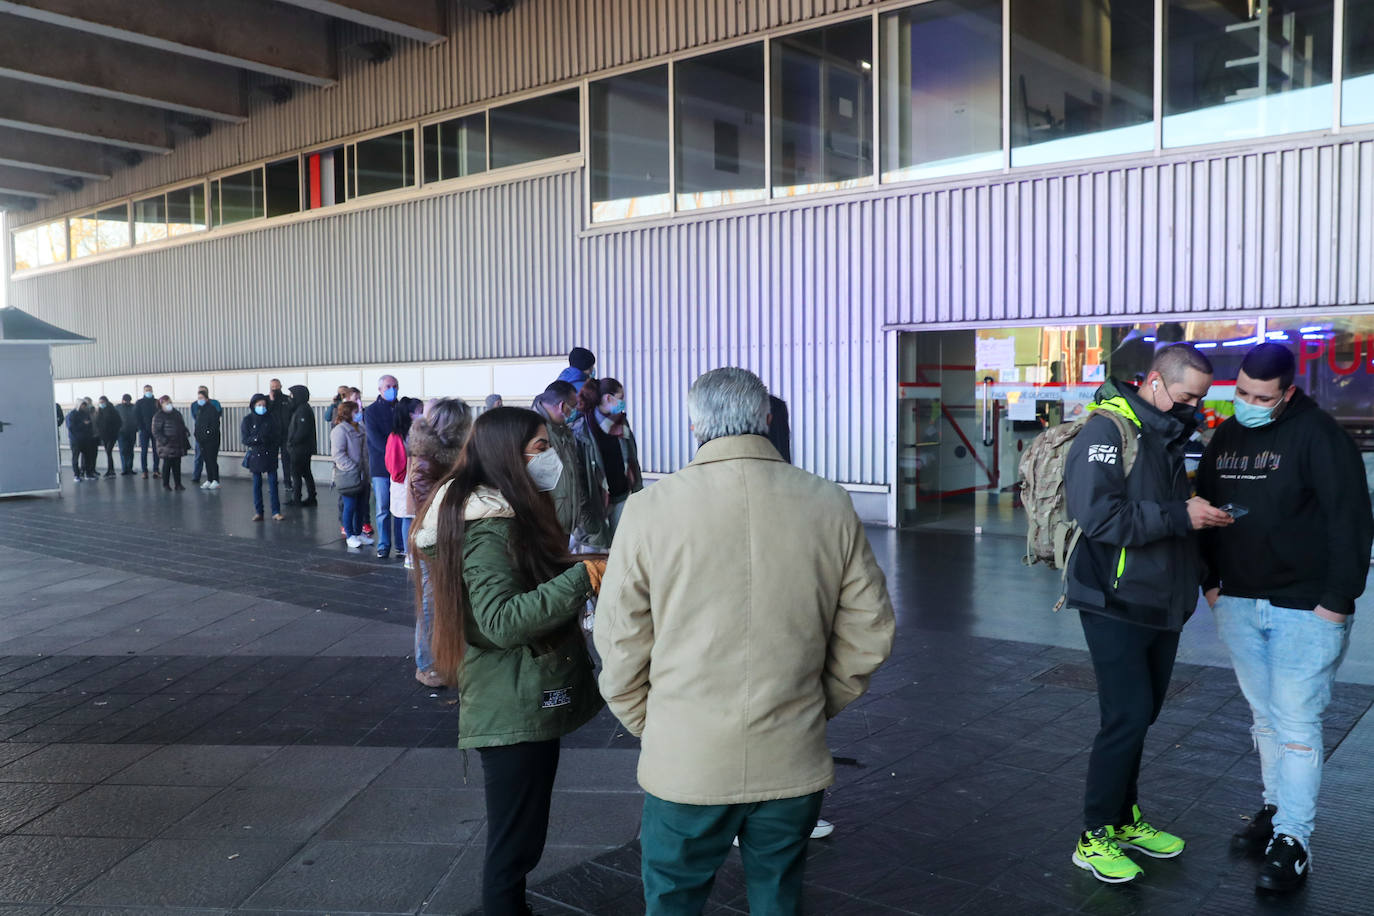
<point>388,394</point>
<point>147,394</point>
<point>571,415</point>
<point>260,410</point>
<point>1253,417</point>
<point>201,401</point>
<point>619,408</point>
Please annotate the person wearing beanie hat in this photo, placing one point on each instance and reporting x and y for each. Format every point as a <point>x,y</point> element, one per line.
<point>581,361</point>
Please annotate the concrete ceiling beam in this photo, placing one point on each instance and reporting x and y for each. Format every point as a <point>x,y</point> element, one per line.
<point>59,156</point>
<point>24,183</point>
<point>418,20</point>
<point>12,203</point>
<point>78,116</point>
<point>51,56</point>
<point>257,35</point>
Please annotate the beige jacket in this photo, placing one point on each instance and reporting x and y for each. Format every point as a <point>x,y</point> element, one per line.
<point>741,609</point>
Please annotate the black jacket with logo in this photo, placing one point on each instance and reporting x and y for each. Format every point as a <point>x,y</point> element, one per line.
<point>1138,558</point>
<point>1305,540</point>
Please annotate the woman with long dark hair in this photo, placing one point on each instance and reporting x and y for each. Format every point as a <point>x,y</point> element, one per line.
<point>507,598</point>
<point>610,457</point>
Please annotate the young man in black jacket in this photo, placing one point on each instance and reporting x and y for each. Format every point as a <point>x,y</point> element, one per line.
<point>1134,578</point>
<point>1282,585</point>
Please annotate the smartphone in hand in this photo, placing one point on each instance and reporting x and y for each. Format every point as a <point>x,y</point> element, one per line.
<point>1234,510</point>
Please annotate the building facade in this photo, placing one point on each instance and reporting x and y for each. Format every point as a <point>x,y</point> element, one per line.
<point>931,228</point>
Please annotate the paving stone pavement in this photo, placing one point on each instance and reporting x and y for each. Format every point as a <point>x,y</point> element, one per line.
<point>203,715</point>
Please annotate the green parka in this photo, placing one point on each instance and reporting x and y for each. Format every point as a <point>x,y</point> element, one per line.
<point>526,674</point>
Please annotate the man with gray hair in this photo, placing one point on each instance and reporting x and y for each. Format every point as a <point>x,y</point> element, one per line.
<point>744,592</point>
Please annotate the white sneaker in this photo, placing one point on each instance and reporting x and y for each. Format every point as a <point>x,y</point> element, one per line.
<point>364,539</point>
<point>354,542</point>
<point>205,486</point>
<point>409,563</point>
<point>214,485</point>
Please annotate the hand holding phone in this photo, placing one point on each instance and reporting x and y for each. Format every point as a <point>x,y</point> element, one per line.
<point>1234,510</point>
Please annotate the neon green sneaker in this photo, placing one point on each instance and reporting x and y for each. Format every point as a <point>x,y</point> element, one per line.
<point>1098,853</point>
<point>1141,835</point>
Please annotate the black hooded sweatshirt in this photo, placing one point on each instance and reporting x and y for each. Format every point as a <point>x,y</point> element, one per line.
<point>300,432</point>
<point>1305,540</point>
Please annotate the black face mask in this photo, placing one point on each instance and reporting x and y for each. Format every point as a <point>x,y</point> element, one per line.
<point>1184,413</point>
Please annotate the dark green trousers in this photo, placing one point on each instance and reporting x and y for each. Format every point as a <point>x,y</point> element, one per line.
<point>683,845</point>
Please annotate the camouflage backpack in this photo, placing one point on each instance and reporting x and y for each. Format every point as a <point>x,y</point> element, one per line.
<point>1051,535</point>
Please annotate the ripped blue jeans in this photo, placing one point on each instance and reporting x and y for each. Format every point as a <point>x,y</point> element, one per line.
<point>1285,662</point>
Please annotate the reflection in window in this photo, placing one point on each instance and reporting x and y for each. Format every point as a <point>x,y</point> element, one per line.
<point>40,245</point>
<point>150,220</point>
<point>1334,360</point>
<point>283,187</point>
<point>720,128</point>
<point>325,181</point>
<point>237,198</point>
<point>456,148</point>
<point>1082,79</point>
<point>186,210</point>
<point>629,145</point>
<point>537,128</point>
<point>1357,89</point>
<point>942,89</point>
<point>822,106</point>
<point>1234,71</point>
<point>385,163</point>
<point>112,227</point>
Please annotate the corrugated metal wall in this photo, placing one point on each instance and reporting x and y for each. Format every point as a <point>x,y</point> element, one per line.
<point>537,43</point>
<point>799,292</point>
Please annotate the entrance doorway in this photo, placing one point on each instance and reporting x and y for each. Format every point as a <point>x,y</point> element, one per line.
<point>972,400</point>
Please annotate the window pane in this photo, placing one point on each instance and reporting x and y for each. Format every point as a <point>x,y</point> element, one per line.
<point>386,163</point>
<point>538,128</point>
<point>283,187</point>
<point>822,109</point>
<point>186,210</point>
<point>85,236</point>
<point>629,145</point>
<point>1082,79</point>
<point>25,249</point>
<point>456,148</point>
<point>113,227</point>
<point>1357,89</point>
<point>150,220</point>
<point>1233,72</point>
<point>942,89</point>
<point>238,197</point>
<point>324,178</point>
<point>720,128</point>
<point>52,242</point>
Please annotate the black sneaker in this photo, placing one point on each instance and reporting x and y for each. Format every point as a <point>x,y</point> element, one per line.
<point>1285,865</point>
<point>1254,839</point>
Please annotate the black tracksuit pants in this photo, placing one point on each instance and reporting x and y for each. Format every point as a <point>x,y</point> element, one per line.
<point>302,477</point>
<point>209,454</point>
<point>518,781</point>
<point>1133,666</point>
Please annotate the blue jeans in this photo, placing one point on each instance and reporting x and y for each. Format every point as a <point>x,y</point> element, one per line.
<point>1286,662</point>
<point>381,491</point>
<point>402,533</point>
<point>348,515</point>
<point>683,846</point>
<point>257,491</point>
<point>424,626</point>
<point>145,442</point>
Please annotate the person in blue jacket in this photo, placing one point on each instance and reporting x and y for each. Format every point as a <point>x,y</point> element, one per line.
<point>378,419</point>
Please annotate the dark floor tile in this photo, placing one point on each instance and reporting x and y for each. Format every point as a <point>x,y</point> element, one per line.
<point>191,765</point>
<point>367,877</point>
<point>188,873</point>
<point>260,812</point>
<point>120,811</point>
<point>21,802</point>
<point>82,763</point>
<point>47,869</point>
<point>381,815</point>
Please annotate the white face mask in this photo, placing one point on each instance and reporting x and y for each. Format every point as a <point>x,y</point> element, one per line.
<point>545,469</point>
